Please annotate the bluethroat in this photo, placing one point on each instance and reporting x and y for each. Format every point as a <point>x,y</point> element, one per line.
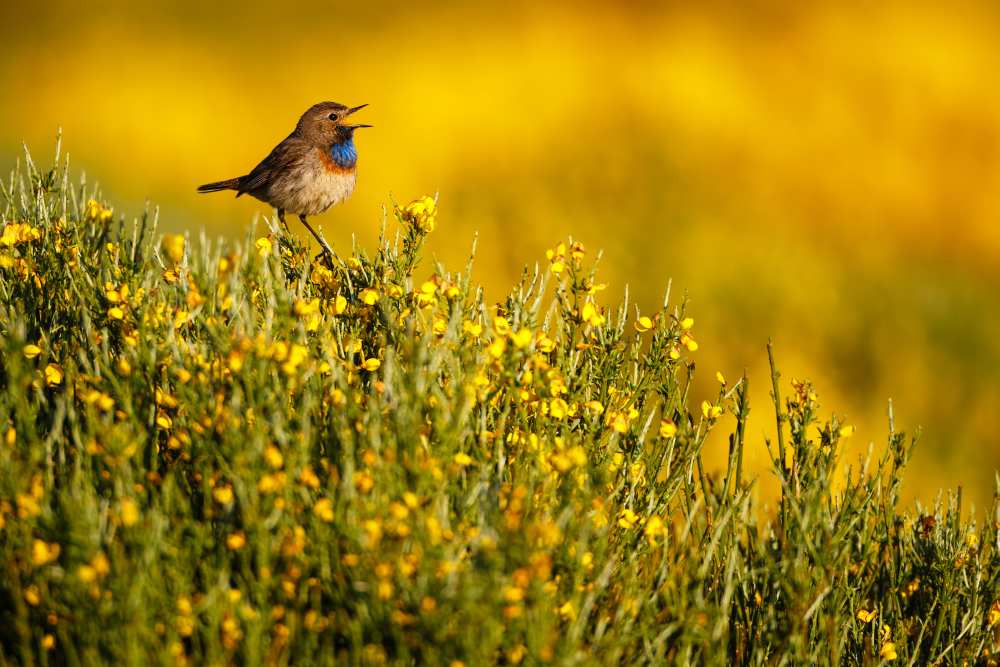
<point>312,169</point>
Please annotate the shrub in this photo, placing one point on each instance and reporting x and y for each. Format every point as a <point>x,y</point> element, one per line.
<point>222,453</point>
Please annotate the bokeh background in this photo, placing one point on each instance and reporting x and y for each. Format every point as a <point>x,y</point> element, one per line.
<point>823,173</point>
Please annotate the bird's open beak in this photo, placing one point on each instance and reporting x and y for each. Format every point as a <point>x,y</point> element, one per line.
<point>352,110</point>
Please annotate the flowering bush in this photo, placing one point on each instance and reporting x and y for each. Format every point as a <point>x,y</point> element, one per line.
<point>230,453</point>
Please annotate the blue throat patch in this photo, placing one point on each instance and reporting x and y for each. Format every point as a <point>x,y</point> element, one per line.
<point>344,154</point>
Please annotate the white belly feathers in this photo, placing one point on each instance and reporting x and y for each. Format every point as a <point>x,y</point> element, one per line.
<point>312,187</point>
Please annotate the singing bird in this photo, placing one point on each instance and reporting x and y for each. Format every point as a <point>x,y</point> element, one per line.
<point>312,169</point>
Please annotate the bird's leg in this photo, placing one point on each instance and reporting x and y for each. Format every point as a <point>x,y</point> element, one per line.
<point>281,219</point>
<point>326,247</point>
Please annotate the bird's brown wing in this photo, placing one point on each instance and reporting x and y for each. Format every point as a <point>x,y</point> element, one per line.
<point>282,157</point>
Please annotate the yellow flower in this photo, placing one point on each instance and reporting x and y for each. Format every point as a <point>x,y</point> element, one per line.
<point>474,329</point>
<point>368,296</point>
<point>866,616</point>
<point>100,399</point>
<point>643,324</point>
<point>324,509</point>
<point>497,347</point>
<point>296,355</point>
<point>48,642</point>
<point>31,351</point>
<point>309,478</point>
<point>363,481</point>
<point>513,593</point>
<point>591,314</point>
<point>273,457</point>
<point>234,361</point>
<point>399,510</point>
<point>577,455</point>
<point>97,212</point>
<point>32,595</point>
<point>101,564</point>
<point>558,408</point>
<point>264,246</point>
<point>270,483</point>
<point>236,541</point>
<point>43,552</point>
<point>994,615</point>
<point>888,651</point>
<point>522,338</point>
<point>628,518</point>
<point>116,313</point>
<point>223,494</point>
<point>687,323</point>
<point>372,364</point>
<point>53,375</point>
<point>339,305</point>
<point>567,611</point>
<point>710,411</point>
<point>173,246</point>
<point>305,307</point>
<point>720,378</point>
<point>654,528</point>
<point>86,574</point>
<point>425,295</point>
<point>420,213</point>
<point>619,422</point>
<point>463,459</point>
<point>667,429</point>
<point>501,325</point>
<point>557,257</point>
<point>129,512</point>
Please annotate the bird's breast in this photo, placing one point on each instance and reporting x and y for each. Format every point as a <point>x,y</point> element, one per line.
<point>316,184</point>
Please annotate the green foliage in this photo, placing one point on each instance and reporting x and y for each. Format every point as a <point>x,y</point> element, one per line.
<point>217,453</point>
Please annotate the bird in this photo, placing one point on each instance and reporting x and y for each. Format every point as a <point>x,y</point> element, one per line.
<point>312,169</point>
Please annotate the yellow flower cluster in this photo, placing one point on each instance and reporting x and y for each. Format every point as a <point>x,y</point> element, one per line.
<point>97,212</point>
<point>558,255</point>
<point>17,233</point>
<point>173,246</point>
<point>420,213</point>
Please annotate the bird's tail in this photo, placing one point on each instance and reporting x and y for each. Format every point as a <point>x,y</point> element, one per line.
<point>230,184</point>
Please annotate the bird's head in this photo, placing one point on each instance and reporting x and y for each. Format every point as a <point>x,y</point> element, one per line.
<point>326,124</point>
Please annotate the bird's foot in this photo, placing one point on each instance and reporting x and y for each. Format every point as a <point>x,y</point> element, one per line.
<point>324,258</point>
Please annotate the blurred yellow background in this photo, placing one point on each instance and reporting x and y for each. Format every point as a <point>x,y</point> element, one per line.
<point>826,174</point>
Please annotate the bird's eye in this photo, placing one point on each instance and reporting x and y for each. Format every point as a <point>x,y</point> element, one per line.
<point>333,117</point>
